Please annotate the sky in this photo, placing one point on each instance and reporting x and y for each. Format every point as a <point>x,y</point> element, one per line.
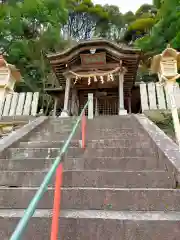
<point>124,5</point>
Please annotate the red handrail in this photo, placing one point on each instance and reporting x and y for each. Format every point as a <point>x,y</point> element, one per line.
<point>58,186</point>
<point>57,203</point>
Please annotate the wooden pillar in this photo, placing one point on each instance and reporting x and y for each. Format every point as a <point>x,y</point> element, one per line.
<point>122,111</point>
<point>129,105</point>
<point>73,102</point>
<point>90,106</point>
<point>96,107</point>
<point>65,111</point>
<point>55,106</point>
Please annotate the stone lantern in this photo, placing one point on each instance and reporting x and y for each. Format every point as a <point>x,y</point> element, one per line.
<point>166,65</point>
<point>9,75</point>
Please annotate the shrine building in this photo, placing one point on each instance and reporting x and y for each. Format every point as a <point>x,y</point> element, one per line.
<point>99,67</point>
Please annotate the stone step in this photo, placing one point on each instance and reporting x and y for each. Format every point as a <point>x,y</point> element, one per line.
<point>47,144</point>
<point>110,123</point>
<point>90,136</point>
<point>28,164</point>
<point>89,143</point>
<point>48,133</point>
<point>46,153</point>
<point>131,164</point>
<point>50,136</point>
<point>91,225</point>
<point>118,199</point>
<point>98,128</point>
<point>62,120</point>
<point>103,132</point>
<point>58,130</point>
<point>16,153</point>
<point>120,152</point>
<point>98,179</point>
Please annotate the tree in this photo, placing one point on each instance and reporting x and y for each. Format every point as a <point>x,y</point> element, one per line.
<point>157,3</point>
<point>142,23</point>
<point>28,30</point>
<point>114,24</point>
<point>83,17</point>
<point>165,31</point>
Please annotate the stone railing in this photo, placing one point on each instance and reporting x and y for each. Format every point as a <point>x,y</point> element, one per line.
<point>154,96</point>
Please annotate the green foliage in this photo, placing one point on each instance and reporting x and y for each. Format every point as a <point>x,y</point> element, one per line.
<point>165,31</point>
<point>111,28</point>
<point>141,24</point>
<point>28,30</point>
<point>147,9</point>
<point>84,18</point>
<point>157,3</point>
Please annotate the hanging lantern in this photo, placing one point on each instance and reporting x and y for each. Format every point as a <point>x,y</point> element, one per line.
<point>95,79</point>
<point>102,79</point>
<point>89,80</point>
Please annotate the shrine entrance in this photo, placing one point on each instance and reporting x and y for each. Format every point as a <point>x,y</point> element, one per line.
<point>100,67</point>
<point>105,102</point>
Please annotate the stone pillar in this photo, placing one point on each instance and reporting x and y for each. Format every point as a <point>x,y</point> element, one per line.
<point>65,111</point>
<point>122,111</point>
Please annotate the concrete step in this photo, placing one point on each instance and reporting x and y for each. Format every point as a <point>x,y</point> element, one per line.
<point>98,179</point>
<point>111,123</point>
<point>47,144</point>
<point>28,164</point>
<point>50,136</point>
<point>17,153</point>
<point>62,120</point>
<point>46,153</point>
<point>91,225</point>
<point>131,164</point>
<point>120,152</point>
<point>102,132</point>
<point>89,143</point>
<point>118,199</point>
<point>90,136</point>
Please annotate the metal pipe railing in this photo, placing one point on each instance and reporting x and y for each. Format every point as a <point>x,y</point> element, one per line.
<point>57,166</point>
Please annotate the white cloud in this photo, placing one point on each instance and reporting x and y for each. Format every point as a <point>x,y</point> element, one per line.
<point>124,5</point>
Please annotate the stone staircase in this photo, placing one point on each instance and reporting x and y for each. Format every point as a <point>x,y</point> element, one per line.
<point>117,188</point>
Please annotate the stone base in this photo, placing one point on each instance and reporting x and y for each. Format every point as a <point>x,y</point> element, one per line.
<point>64,114</point>
<point>122,112</point>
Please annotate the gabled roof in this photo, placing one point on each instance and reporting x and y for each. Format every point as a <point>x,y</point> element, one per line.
<point>90,43</point>
<point>62,61</point>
